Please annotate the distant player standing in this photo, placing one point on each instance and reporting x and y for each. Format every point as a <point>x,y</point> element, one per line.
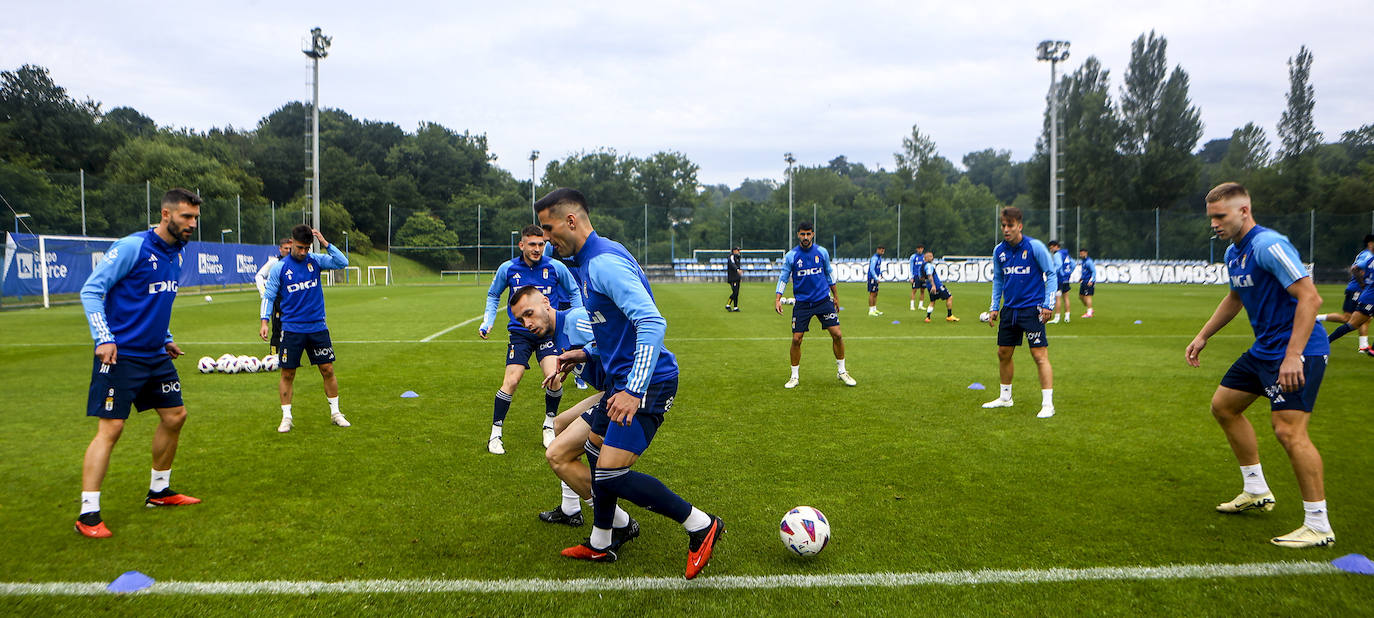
<point>552,278</point>
<point>260,280</point>
<point>1087,281</point>
<point>918,282</point>
<point>1285,364</point>
<point>1358,269</point>
<point>1023,288</point>
<point>733,277</point>
<point>813,286</point>
<point>1063,270</point>
<point>128,303</point>
<point>642,378</point>
<point>293,284</point>
<point>937,290</point>
<point>875,275</point>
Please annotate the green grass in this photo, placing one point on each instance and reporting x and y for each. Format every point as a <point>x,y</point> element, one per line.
<point>912,473</point>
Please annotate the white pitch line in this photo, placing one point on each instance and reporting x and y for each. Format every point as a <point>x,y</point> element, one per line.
<point>726,582</point>
<point>446,330</point>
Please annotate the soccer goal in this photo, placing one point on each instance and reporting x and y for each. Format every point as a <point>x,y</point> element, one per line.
<point>350,273</point>
<point>48,265</point>
<point>385,271</point>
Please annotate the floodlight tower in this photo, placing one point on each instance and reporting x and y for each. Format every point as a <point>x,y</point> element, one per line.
<point>534,156</point>
<point>1054,52</point>
<point>319,48</point>
<point>790,160</point>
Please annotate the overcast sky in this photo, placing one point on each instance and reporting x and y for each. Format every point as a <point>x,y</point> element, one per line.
<point>733,85</point>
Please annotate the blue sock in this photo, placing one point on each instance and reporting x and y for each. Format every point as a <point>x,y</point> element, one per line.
<point>498,411</point>
<point>641,489</point>
<point>1339,332</point>
<point>551,399</point>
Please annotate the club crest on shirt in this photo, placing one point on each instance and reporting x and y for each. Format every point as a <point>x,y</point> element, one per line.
<point>818,259</point>
<point>546,273</point>
<point>1023,254</point>
<point>1242,260</point>
<point>310,267</point>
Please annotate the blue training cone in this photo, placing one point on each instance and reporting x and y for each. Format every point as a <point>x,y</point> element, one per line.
<point>409,395</point>
<point>896,322</point>
<point>1354,563</point>
<point>977,386</point>
<point>1137,321</point>
<point>130,581</point>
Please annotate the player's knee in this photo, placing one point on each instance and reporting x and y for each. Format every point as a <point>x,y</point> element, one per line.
<point>287,375</point>
<point>1290,434</point>
<point>1004,353</point>
<point>327,370</point>
<point>174,418</point>
<point>109,429</point>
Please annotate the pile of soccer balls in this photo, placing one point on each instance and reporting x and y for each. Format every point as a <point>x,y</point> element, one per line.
<point>228,363</point>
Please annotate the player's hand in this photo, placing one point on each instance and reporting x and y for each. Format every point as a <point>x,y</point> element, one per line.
<point>777,305</point>
<point>264,330</point>
<point>106,353</point>
<point>1046,315</point>
<point>569,360</point>
<point>622,407</point>
<point>482,332</point>
<point>1290,374</point>
<point>992,318</point>
<point>173,350</point>
<point>555,381</point>
<point>1194,348</point>
<point>324,244</point>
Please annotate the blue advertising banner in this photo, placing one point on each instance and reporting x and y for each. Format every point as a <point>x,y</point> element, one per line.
<point>71,260</point>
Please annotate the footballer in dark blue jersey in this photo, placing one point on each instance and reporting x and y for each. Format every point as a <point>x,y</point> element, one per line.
<point>814,292</point>
<point>128,305</point>
<point>938,291</point>
<point>532,268</point>
<point>1087,282</point>
<point>1063,267</point>
<point>1359,299</point>
<point>873,277</point>
<point>293,287</point>
<point>640,384</point>
<point>1023,289</point>
<point>1285,364</point>
<point>918,282</point>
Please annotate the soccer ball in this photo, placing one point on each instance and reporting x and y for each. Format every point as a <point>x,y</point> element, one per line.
<point>804,530</point>
<point>208,299</point>
<point>206,364</point>
<point>228,364</point>
<point>249,364</point>
<point>270,363</point>
<point>984,316</point>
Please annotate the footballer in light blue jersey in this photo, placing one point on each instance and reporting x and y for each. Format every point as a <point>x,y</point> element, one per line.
<point>293,287</point>
<point>1285,364</point>
<point>1087,282</point>
<point>128,305</point>
<point>873,276</point>
<point>815,294</point>
<point>938,291</point>
<point>1024,283</point>
<point>1358,301</point>
<point>1063,266</point>
<point>641,381</point>
<point>532,268</point>
<point>918,280</point>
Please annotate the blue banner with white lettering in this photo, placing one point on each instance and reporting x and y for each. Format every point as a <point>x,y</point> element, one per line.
<point>70,261</point>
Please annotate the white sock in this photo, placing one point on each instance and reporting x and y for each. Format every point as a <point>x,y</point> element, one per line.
<point>286,410</point>
<point>161,479</point>
<point>913,305</point>
<point>794,371</point>
<point>90,502</point>
<point>1254,479</point>
<point>622,518</point>
<point>601,538</point>
<point>572,503</point>
<point>495,432</point>
<point>1321,317</point>
<point>333,404</point>
<point>1364,341</point>
<point>1314,516</point>
<point>698,520</point>
<point>929,310</point>
<point>1006,392</point>
<point>839,362</point>
<point>1047,398</point>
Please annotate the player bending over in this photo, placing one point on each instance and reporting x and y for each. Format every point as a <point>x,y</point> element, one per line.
<point>1359,299</point>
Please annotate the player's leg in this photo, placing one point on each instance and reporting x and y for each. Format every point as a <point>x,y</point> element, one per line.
<point>1244,382</point>
<point>1290,427</point>
<point>548,363</point>
<point>912,301</point>
<point>575,479</point>
<point>165,440</point>
<point>93,468</point>
<point>292,352</point>
<point>801,322</point>
<point>949,308</point>
<point>837,348</point>
<point>1009,335</point>
<point>518,353</point>
<point>1359,319</point>
<point>1041,356</point>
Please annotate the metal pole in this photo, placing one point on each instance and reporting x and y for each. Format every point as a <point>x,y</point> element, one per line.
<point>644,259</point>
<point>83,202</point>
<point>732,226</point>
<point>533,156</point>
<point>148,202</point>
<point>899,230</point>
<point>315,165</point>
<point>1312,235</point>
<point>273,240</point>
<point>479,243</point>
<point>1156,233</point>
<point>1054,153</point>
<point>1078,227</point>
<point>238,217</point>
<point>790,160</point>
<point>388,240</point>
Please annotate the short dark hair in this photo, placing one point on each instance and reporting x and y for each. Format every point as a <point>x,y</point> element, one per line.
<point>1053,243</point>
<point>561,196</point>
<point>1082,249</point>
<point>1368,238</point>
<point>1226,190</point>
<point>805,226</point>
<point>737,249</point>
<point>179,195</point>
<point>522,292</point>
<point>284,241</point>
<point>882,248</point>
<point>1012,214</point>
<point>301,233</point>
<point>919,247</point>
<point>532,230</point>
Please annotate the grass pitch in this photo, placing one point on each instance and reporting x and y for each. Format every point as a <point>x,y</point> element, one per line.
<point>912,473</point>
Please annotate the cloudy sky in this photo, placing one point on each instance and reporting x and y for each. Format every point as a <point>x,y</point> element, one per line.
<point>733,85</point>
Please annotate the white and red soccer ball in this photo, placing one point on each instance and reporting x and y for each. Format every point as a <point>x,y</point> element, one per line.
<point>804,531</point>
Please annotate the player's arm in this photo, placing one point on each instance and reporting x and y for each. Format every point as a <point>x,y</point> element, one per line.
<point>118,261</point>
<point>568,283</point>
<point>1226,311</point>
<point>498,285</point>
<point>332,258</point>
<point>270,288</point>
<point>1280,259</point>
<point>260,279</point>
<point>998,282</point>
<point>1046,264</point>
<point>782,281</point>
<point>830,276</point>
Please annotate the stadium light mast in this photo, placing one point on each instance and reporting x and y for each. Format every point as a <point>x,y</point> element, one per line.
<point>222,233</point>
<point>534,156</point>
<point>319,48</point>
<point>790,160</point>
<point>1054,52</point>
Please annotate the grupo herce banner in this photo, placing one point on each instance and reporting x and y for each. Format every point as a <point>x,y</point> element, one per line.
<point>1108,271</point>
<point>71,260</point>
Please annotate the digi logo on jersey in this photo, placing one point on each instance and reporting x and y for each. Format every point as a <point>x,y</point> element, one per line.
<point>304,285</point>
<point>1243,281</point>
<point>807,272</point>
<point>158,287</point>
<point>1016,270</point>
<point>596,318</point>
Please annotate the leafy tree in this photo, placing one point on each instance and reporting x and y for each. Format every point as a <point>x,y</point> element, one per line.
<point>1297,133</point>
<point>423,229</point>
<point>41,126</point>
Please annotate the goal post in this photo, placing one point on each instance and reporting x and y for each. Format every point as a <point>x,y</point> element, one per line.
<point>385,273</point>
<point>332,278</point>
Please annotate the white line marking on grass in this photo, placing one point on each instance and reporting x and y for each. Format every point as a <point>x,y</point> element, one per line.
<point>446,330</point>
<point>726,582</point>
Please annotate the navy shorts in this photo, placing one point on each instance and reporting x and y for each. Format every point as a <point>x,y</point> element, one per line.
<point>1086,289</point>
<point>824,311</point>
<point>141,382</point>
<point>316,346</point>
<point>919,283</point>
<point>1064,286</point>
<point>1013,323</point>
<point>636,436</point>
<point>872,285</point>
<point>940,294</point>
<point>592,374</point>
<point>1365,303</point>
<point>1261,377</point>
<point>523,343</point>
<point>1348,301</point>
